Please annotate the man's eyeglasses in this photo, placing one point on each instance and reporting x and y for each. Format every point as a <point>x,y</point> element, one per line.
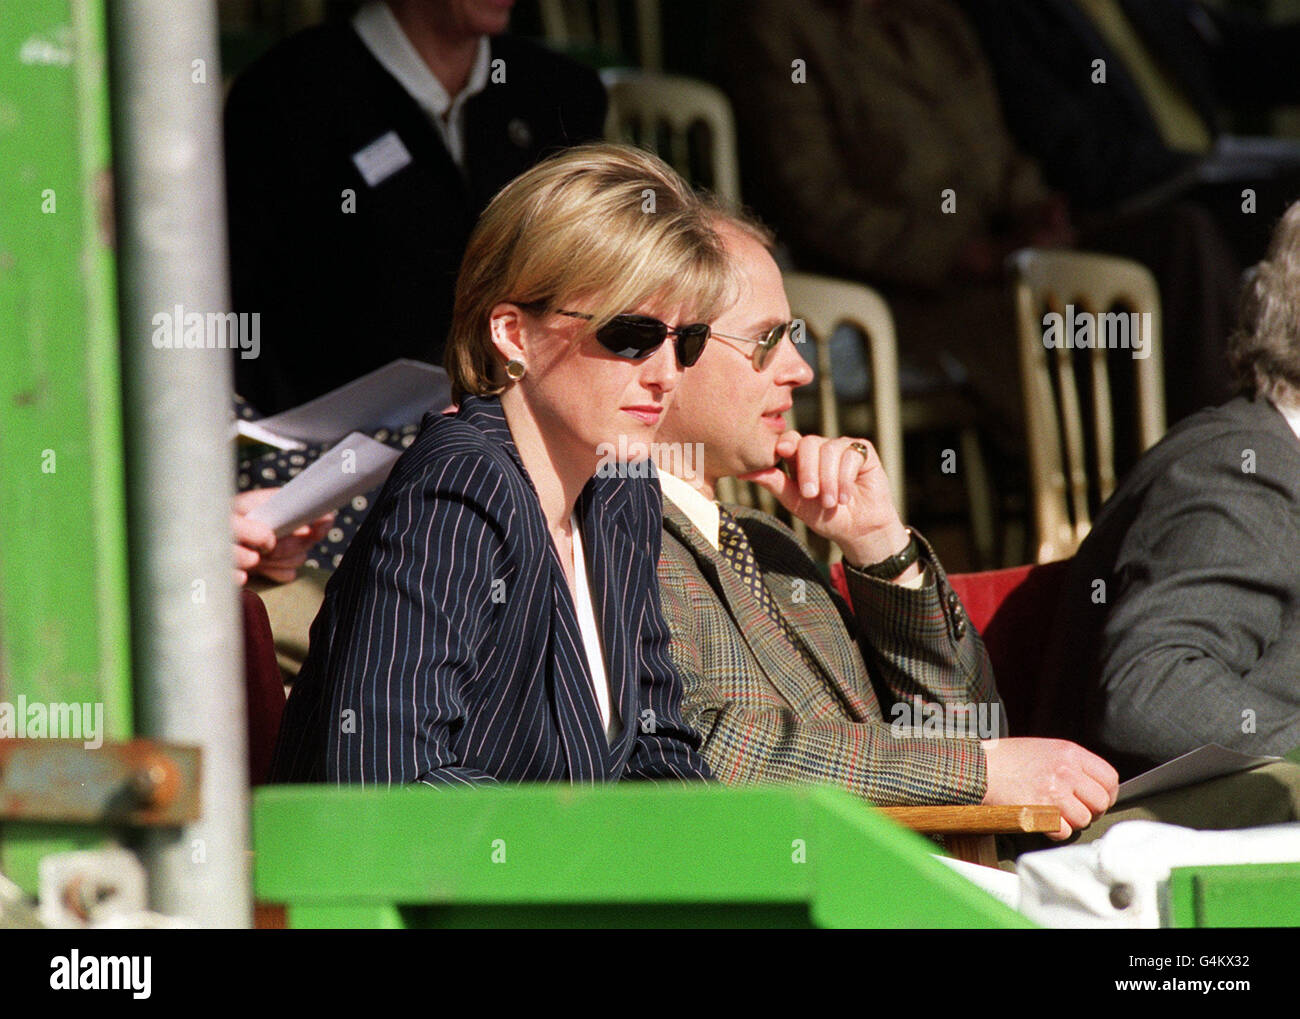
<point>765,345</point>
<point>637,336</point>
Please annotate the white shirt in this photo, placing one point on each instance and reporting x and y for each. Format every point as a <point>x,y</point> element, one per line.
<point>703,514</point>
<point>1292,415</point>
<point>589,628</point>
<point>384,38</point>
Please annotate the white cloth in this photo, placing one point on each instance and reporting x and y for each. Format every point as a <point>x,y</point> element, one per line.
<point>1121,880</point>
<point>589,629</point>
<point>703,514</point>
<point>1001,884</point>
<point>384,38</point>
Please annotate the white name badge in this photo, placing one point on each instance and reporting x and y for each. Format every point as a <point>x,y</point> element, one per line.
<point>382,158</point>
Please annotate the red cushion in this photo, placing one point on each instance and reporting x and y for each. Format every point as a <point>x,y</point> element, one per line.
<point>1013,610</point>
<point>264,686</point>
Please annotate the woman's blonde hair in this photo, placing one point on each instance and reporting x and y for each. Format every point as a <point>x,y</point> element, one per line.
<point>605,227</point>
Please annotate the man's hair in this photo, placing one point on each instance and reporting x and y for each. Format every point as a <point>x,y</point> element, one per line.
<point>745,222</point>
<point>1264,350</point>
<point>599,229</point>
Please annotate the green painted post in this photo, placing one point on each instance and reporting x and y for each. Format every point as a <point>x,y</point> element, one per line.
<point>63,591</point>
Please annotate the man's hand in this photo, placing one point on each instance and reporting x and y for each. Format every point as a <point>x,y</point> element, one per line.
<point>258,550</point>
<point>1050,771</point>
<point>840,493</point>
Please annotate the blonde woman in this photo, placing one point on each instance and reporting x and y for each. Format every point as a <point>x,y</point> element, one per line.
<point>497,616</point>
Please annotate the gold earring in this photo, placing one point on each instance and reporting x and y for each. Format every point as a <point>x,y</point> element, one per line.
<point>515,369</point>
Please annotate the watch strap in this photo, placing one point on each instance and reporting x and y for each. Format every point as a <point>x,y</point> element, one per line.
<point>896,564</point>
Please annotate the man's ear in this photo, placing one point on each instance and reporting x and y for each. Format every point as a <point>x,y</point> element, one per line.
<point>506,324</point>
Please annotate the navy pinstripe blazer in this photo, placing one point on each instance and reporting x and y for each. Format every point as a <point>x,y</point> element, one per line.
<point>447,649</point>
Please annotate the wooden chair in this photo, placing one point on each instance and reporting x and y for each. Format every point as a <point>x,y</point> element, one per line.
<point>688,123</point>
<point>1061,484</point>
<point>595,27</point>
<point>823,304</point>
<point>1013,610</point>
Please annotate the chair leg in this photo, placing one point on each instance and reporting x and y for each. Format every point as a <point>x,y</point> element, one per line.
<point>979,491</point>
<point>981,849</point>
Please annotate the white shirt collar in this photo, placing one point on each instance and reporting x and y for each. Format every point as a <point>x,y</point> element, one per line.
<point>698,508</point>
<point>386,41</point>
<point>1292,415</point>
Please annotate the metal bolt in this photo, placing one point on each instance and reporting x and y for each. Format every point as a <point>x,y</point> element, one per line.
<point>147,781</point>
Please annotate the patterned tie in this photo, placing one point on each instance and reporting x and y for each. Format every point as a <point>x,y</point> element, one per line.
<point>735,548</point>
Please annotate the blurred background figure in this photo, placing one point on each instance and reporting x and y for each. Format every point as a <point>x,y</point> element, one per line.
<point>876,144</point>
<point>359,154</point>
<point>1194,637</point>
<point>876,147</point>
<point>1124,101</point>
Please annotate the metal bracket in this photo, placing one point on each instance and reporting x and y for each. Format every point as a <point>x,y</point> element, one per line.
<point>141,783</point>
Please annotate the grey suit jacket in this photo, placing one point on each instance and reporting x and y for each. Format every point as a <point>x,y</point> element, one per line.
<point>1180,621</point>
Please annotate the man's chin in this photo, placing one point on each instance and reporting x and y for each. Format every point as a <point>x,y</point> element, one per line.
<point>761,462</point>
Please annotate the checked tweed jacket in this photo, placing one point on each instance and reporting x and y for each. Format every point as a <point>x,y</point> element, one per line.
<point>767,717</point>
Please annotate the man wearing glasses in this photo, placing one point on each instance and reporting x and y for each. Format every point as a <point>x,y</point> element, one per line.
<point>782,681</point>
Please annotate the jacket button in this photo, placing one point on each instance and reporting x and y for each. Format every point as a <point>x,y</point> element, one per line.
<point>959,628</point>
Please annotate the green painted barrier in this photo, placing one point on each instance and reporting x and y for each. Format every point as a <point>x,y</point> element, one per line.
<point>615,856</point>
<point>1236,895</point>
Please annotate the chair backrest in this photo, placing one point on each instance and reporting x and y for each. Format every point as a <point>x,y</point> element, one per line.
<point>664,113</point>
<point>595,25</point>
<point>264,687</point>
<point>821,305</point>
<point>1081,291</point>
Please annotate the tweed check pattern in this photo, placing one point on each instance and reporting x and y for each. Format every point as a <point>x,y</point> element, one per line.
<point>767,716</point>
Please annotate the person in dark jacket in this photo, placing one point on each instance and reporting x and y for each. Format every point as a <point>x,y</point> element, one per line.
<point>1180,622</point>
<point>1122,102</point>
<point>497,616</point>
<point>359,156</point>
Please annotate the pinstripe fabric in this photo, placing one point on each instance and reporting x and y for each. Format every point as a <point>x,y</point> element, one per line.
<point>766,716</point>
<point>447,650</point>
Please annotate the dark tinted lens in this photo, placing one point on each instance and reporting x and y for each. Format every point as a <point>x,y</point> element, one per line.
<point>632,336</point>
<point>690,343</point>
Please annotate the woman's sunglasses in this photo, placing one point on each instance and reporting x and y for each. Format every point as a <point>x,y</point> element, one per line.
<point>636,336</point>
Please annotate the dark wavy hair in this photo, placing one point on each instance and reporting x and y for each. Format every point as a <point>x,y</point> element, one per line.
<point>1264,350</point>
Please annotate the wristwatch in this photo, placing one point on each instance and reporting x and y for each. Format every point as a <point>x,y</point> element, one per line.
<point>896,564</point>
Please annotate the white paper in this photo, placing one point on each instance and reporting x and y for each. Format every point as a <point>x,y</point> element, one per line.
<point>355,465</point>
<point>252,430</point>
<point>397,394</point>
<point>1209,761</point>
